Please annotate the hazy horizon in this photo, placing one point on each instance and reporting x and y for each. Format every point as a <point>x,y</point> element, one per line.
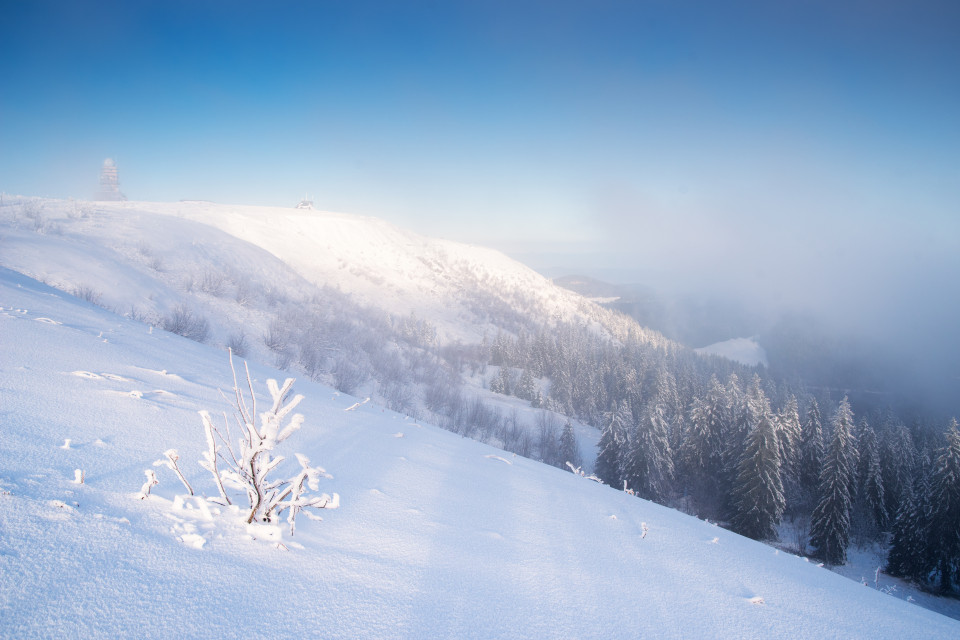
<point>789,156</point>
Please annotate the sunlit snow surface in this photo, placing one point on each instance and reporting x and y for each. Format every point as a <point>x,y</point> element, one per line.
<point>435,536</point>
<point>743,350</point>
<point>377,263</point>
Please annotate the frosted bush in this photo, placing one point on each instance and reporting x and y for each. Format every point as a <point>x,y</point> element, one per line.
<point>248,465</point>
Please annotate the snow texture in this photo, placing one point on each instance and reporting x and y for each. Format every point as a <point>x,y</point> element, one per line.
<point>435,536</point>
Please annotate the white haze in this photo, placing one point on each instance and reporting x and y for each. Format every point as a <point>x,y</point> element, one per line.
<point>881,273</point>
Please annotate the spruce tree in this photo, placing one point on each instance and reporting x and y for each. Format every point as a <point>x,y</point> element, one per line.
<point>944,506</point>
<point>569,449</point>
<point>908,549</point>
<point>788,436</point>
<point>758,493</point>
<point>788,439</point>
<point>898,461</point>
<point>736,428</point>
<point>701,451</point>
<point>830,525</point>
<point>871,505</point>
<point>526,388</point>
<point>612,447</point>
<point>811,454</point>
<point>648,468</point>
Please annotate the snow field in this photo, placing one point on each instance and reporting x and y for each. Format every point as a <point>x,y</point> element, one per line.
<point>435,536</point>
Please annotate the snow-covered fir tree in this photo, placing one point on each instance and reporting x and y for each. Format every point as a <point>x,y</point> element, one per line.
<point>870,506</point>
<point>944,514</point>
<point>811,454</point>
<point>648,468</point>
<point>701,451</point>
<point>898,461</point>
<point>737,426</point>
<point>758,498</point>
<point>830,525</point>
<point>788,439</point>
<point>908,557</point>
<point>569,449</point>
<point>502,383</point>
<point>526,388</point>
<point>613,446</point>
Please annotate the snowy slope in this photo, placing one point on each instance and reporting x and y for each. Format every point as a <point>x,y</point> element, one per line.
<point>437,536</point>
<point>464,290</point>
<point>746,351</point>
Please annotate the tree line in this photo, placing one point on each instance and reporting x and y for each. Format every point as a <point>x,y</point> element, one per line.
<point>717,440</point>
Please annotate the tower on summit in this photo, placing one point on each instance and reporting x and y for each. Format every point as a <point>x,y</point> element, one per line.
<point>109,182</point>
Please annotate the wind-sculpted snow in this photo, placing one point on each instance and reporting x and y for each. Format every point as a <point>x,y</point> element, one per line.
<point>435,537</point>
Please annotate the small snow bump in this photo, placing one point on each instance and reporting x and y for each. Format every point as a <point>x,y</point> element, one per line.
<point>48,321</point>
<point>495,457</point>
<point>398,434</point>
<point>193,540</point>
<point>262,531</point>
<point>59,504</point>
<point>756,600</point>
<point>715,541</point>
<point>66,444</point>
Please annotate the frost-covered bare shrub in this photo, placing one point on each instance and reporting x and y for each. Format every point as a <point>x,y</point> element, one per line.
<point>244,293</point>
<point>277,336</point>
<point>347,376</point>
<point>310,360</point>
<point>237,343</point>
<point>186,323</point>
<point>443,397</point>
<point>398,396</point>
<point>282,359</point>
<point>274,296</point>
<point>248,464</point>
<point>78,212</point>
<point>390,366</point>
<point>88,293</point>
<point>213,282</point>
<point>548,443</point>
<point>31,209</point>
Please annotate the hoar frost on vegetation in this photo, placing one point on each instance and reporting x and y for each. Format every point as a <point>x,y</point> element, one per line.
<point>247,466</point>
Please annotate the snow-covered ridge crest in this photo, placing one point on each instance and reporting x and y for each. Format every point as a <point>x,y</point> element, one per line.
<point>465,291</point>
<point>449,283</point>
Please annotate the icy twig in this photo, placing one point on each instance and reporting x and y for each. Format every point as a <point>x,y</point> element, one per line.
<point>149,484</point>
<point>172,456</point>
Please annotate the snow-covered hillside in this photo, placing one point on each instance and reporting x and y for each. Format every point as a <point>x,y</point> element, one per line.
<point>463,290</point>
<point>746,351</point>
<point>437,535</point>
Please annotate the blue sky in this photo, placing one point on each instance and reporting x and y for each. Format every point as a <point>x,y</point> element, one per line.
<point>797,153</point>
